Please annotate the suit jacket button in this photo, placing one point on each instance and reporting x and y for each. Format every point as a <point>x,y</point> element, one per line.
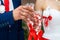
<point>9,26</point>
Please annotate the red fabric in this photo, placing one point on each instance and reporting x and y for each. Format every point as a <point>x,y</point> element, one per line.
<point>50,17</point>
<point>32,34</point>
<point>40,34</point>
<point>30,26</point>
<point>6,4</point>
<point>47,20</point>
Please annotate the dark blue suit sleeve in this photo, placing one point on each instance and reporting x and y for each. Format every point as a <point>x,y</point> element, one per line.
<point>7,18</point>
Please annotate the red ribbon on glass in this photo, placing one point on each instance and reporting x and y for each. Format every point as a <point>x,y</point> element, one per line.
<point>47,20</point>
<point>32,34</point>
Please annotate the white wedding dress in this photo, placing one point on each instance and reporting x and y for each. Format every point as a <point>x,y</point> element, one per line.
<point>52,32</point>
